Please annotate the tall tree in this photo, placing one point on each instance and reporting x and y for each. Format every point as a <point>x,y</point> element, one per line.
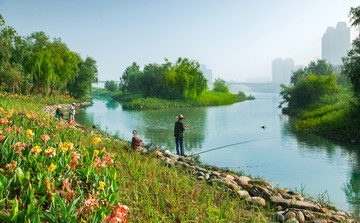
<point>186,78</point>
<point>130,79</point>
<point>87,75</point>
<point>352,62</point>
<point>10,71</point>
<point>220,85</point>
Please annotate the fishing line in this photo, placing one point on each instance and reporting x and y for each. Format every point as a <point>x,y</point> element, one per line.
<point>238,143</point>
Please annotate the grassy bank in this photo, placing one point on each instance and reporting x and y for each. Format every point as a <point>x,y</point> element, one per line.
<point>208,98</point>
<point>53,172</point>
<point>335,116</point>
<point>103,93</point>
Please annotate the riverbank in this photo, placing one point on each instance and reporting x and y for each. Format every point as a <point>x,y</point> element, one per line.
<point>155,186</point>
<point>336,117</point>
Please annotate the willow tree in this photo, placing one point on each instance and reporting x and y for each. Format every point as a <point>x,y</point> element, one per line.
<point>186,78</point>
<point>10,71</point>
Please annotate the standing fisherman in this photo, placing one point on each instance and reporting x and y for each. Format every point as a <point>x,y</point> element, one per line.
<point>72,113</point>
<point>179,135</point>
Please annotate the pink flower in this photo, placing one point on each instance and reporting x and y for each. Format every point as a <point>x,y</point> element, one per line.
<point>92,202</point>
<point>75,156</point>
<point>19,150</point>
<point>118,215</point>
<point>2,137</point>
<point>45,137</point>
<point>66,184</point>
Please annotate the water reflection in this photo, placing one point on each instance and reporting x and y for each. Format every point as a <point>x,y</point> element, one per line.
<point>111,104</point>
<point>309,143</point>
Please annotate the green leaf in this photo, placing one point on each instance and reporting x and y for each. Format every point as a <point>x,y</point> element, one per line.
<point>39,203</point>
<point>71,207</point>
<point>19,172</point>
<point>4,218</point>
<point>3,180</point>
<point>30,210</point>
<point>61,203</point>
<point>112,198</point>
<point>37,219</point>
<point>14,210</point>
<point>25,178</point>
<point>9,182</point>
<point>47,217</point>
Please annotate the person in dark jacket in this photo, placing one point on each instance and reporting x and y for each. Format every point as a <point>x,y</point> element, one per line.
<point>179,135</point>
<point>59,114</point>
<point>136,142</point>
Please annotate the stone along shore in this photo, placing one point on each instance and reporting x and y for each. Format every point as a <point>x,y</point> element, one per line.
<point>290,206</point>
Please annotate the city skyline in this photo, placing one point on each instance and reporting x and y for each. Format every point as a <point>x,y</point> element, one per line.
<point>236,40</point>
<point>335,43</point>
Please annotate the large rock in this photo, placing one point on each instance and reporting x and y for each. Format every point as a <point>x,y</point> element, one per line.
<point>244,195</point>
<point>242,181</point>
<point>278,217</point>
<point>260,191</point>
<point>277,200</point>
<point>300,216</point>
<point>259,182</point>
<point>215,168</point>
<point>290,215</point>
<point>257,200</point>
<point>214,173</point>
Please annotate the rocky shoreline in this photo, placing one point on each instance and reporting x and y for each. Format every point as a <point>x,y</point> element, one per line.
<point>290,206</point>
<point>51,109</point>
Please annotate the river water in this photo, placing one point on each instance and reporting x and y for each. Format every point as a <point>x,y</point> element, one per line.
<point>286,158</point>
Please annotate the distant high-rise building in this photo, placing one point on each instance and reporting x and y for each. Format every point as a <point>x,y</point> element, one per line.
<point>335,43</point>
<point>207,72</point>
<point>282,70</point>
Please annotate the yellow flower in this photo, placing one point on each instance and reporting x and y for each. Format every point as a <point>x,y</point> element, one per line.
<point>101,185</point>
<point>64,149</point>
<point>69,145</point>
<point>103,150</point>
<point>35,149</point>
<point>28,115</point>
<point>29,133</point>
<point>52,167</point>
<point>60,145</point>
<point>50,151</point>
<point>96,152</point>
<point>96,140</point>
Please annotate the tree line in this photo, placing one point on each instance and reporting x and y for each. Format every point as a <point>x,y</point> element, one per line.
<point>180,80</point>
<point>36,64</point>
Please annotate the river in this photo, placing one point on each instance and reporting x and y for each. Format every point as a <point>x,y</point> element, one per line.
<point>288,159</point>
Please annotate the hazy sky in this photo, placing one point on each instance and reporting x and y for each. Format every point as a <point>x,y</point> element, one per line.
<point>237,39</point>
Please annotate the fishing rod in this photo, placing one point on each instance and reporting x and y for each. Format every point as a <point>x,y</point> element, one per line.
<point>238,143</point>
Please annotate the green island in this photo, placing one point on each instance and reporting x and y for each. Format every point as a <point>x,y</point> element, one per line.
<point>168,85</point>
<point>55,171</point>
